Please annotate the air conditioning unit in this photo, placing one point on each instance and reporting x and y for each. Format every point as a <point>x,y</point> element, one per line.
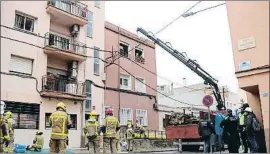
<point>73,69</point>
<point>71,88</point>
<point>75,30</point>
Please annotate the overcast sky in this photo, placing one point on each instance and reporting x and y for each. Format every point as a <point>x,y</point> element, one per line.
<point>204,37</point>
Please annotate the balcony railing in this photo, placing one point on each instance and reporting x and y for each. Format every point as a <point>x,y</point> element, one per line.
<point>52,83</point>
<point>140,59</point>
<point>73,7</point>
<point>65,43</point>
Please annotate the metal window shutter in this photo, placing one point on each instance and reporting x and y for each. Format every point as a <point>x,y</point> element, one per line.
<point>21,65</point>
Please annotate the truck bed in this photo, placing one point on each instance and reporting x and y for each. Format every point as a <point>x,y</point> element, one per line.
<point>189,131</point>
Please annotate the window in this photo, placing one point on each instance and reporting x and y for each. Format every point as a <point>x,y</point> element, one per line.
<point>47,120</point>
<point>141,117</point>
<point>97,4</point>
<point>125,115</point>
<point>96,61</point>
<point>90,24</point>
<point>125,82</point>
<point>26,115</point>
<point>73,118</point>
<point>162,88</point>
<point>88,101</point>
<point>24,22</point>
<point>139,57</point>
<point>21,65</point>
<point>140,85</point>
<point>123,49</point>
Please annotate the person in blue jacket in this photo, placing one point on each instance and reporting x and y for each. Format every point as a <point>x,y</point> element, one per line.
<point>219,131</point>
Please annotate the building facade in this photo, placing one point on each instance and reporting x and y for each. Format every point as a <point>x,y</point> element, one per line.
<point>193,94</point>
<point>134,101</point>
<point>249,28</point>
<point>45,58</point>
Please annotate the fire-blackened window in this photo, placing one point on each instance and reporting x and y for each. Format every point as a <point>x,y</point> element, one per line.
<point>139,55</point>
<point>123,49</point>
<point>25,115</point>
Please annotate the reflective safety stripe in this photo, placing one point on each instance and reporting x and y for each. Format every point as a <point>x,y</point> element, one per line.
<point>241,119</point>
<point>63,134</point>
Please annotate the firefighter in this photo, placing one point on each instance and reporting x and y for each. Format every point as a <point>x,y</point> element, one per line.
<point>38,142</point>
<point>129,135</point>
<point>109,129</point>
<point>4,130</point>
<point>91,132</point>
<point>11,126</point>
<point>60,123</point>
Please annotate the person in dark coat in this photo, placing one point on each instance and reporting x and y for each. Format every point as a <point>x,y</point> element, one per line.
<point>230,125</point>
<point>249,117</point>
<point>206,129</point>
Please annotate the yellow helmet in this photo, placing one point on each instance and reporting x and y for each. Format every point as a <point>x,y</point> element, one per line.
<point>61,105</point>
<point>8,113</point>
<point>93,113</point>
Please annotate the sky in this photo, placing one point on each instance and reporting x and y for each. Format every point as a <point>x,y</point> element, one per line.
<point>205,37</point>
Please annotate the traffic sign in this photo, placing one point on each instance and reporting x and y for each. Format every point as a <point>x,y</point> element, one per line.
<point>207,100</point>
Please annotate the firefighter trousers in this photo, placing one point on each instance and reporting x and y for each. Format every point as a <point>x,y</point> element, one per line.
<point>118,146</point>
<point>93,146</point>
<point>109,145</point>
<point>58,146</point>
<point>130,144</point>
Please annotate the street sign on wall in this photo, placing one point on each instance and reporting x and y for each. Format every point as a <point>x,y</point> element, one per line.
<point>207,100</point>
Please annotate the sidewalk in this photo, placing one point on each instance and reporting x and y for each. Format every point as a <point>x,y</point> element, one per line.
<point>84,150</point>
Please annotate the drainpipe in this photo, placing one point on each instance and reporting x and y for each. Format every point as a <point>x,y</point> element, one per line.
<point>82,123</point>
<point>118,79</point>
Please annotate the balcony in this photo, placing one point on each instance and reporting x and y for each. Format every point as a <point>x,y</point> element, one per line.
<point>139,59</point>
<point>55,87</point>
<point>67,12</point>
<point>64,47</point>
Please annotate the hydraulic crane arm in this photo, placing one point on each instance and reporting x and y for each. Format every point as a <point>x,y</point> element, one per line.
<point>191,64</point>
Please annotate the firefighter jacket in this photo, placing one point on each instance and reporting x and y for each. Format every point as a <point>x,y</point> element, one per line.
<point>4,133</point>
<point>111,126</point>
<point>59,121</point>
<point>11,126</point>
<point>39,141</point>
<point>91,130</point>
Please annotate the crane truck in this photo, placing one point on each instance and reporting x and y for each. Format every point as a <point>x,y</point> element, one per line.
<point>187,133</point>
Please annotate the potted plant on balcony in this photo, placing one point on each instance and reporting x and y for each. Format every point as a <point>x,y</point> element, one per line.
<point>51,2</point>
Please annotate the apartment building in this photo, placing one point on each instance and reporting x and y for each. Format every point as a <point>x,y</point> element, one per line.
<point>249,28</point>
<point>193,94</point>
<point>134,101</point>
<point>45,59</point>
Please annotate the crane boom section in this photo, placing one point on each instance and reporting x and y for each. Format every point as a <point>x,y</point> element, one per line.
<point>191,64</point>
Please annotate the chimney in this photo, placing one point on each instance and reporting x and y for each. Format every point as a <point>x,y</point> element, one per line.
<point>172,88</point>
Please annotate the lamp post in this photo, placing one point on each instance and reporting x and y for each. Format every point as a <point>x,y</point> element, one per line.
<point>188,14</point>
